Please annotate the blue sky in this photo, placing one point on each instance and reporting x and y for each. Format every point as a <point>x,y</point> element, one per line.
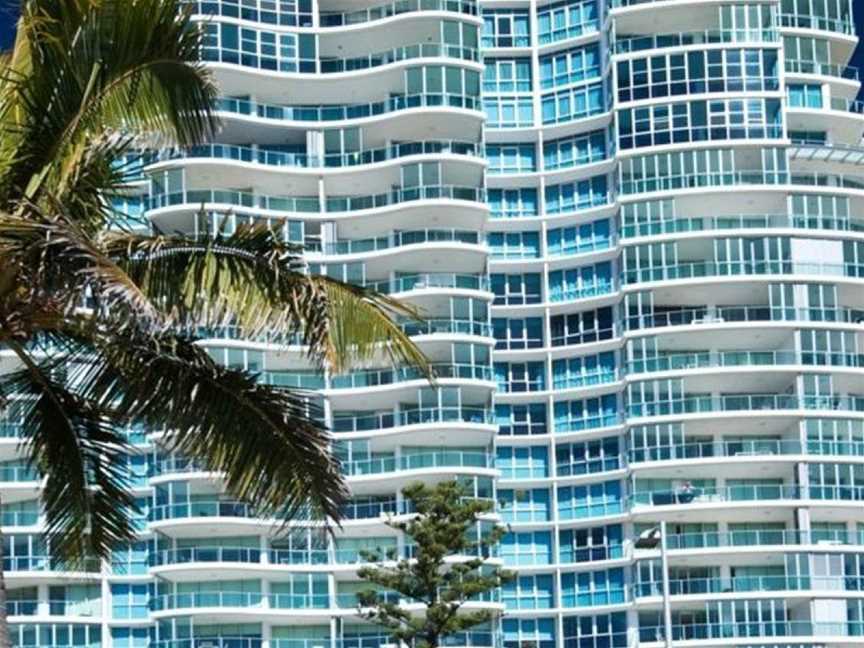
<point>8,10</point>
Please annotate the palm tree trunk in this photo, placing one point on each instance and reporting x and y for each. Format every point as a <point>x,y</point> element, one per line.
<point>5,638</point>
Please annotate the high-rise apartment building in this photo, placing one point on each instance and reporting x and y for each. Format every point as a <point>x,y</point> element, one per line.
<point>637,232</point>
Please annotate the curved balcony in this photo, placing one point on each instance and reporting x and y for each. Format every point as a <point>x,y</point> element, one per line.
<point>203,508</point>
<point>256,600</point>
<point>396,8</point>
<point>349,600</point>
<point>587,379</point>
<point>222,641</point>
<point>846,72</point>
<point>335,112</point>
<point>754,630</point>
<point>756,448</point>
<point>736,540</point>
<point>447,327</point>
<point>821,23</point>
<point>589,423</point>
<point>735,178</point>
<point>419,416</point>
<point>337,65</point>
<point>745,493</point>
<point>740,221</point>
<point>399,239</point>
<point>749,584</point>
<point>262,557</point>
<point>215,507</point>
<point>630,44</point>
<point>567,250</point>
<point>431,280</point>
<point>306,204</point>
<point>456,640</point>
<point>754,403</point>
<point>742,314</point>
<point>289,18</point>
<point>706,269</point>
<point>434,326</point>
<point>334,160</point>
<point>375,377</point>
<point>714,359</point>
<point>380,377</point>
<point>219,554</point>
<point>419,461</point>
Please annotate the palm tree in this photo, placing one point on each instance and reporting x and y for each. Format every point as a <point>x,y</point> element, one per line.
<point>98,323</point>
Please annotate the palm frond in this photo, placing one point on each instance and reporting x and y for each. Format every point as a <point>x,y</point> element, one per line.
<point>71,441</point>
<point>269,442</point>
<point>89,67</point>
<point>252,280</point>
<point>59,264</point>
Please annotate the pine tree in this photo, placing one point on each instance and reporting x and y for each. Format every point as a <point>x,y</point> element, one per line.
<point>450,567</point>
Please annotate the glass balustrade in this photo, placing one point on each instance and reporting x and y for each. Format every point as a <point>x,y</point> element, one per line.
<point>18,518</point>
<point>733,314</point>
<point>805,66</point>
<point>762,537</point>
<point>10,429</point>
<point>738,402</point>
<point>419,461</point>
<point>337,160</point>
<point>584,380</point>
<point>745,493</point>
<point>205,554</point>
<point>760,629</point>
<point>215,642</point>
<point>434,326</point>
<point>847,105</point>
<point>739,584</point>
<point>202,508</point>
<point>378,377</point>
<point>811,21</point>
<point>22,607</point>
<point>402,238</point>
<point>741,402</point>
<point>588,423</point>
<point>431,280</point>
<point>570,249</point>
<point>706,359</point>
<point>418,416</point>
<point>335,112</point>
<point>386,10</point>
<point>702,180</point>
<point>298,601</point>
<point>206,600</point>
<point>709,449</point>
<point>412,328</point>
<point>273,14</point>
<point>626,44</point>
<point>332,65</point>
<point>247,555</point>
<point>309,204</point>
<point>700,269</point>
<point>19,474</point>
<point>742,221</point>
<point>173,465</point>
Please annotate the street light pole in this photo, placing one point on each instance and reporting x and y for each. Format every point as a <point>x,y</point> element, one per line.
<point>667,602</point>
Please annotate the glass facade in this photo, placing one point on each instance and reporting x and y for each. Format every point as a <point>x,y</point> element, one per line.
<point>636,230</point>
